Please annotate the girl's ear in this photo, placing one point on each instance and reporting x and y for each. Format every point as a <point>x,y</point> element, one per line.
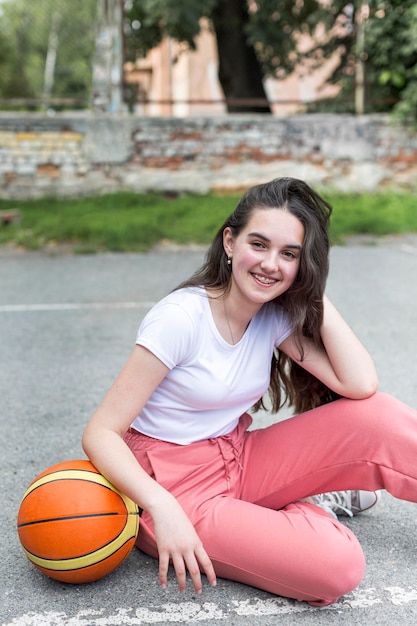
<point>228,241</point>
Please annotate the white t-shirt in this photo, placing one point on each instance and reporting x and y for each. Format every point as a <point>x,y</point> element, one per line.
<point>210,382</point>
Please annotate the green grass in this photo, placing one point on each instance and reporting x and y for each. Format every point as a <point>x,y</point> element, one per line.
<point>131,222</point>
<point>374,214</point>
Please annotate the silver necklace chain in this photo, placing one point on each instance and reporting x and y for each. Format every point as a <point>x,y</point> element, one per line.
<point>227,322</point>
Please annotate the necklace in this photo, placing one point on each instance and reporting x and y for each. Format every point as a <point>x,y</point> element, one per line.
<point>227,322</point>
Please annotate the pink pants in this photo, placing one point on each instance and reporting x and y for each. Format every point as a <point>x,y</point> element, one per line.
<point>242,492</point>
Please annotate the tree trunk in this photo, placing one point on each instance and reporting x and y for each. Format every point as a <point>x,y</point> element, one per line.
<point>108,58</point>
<point>240,73</point>
<point>50,62</point>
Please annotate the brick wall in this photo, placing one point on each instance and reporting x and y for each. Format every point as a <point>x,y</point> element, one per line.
<point>82,154</point>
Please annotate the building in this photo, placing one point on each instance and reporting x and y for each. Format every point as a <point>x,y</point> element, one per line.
<point>173,82</point>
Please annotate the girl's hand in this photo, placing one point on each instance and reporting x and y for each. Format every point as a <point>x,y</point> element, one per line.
<point>178,541</point>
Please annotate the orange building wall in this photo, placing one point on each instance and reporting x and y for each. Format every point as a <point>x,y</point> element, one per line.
<point>169,78</point>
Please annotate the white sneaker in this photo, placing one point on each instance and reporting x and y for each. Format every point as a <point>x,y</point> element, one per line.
<point>346,502</point>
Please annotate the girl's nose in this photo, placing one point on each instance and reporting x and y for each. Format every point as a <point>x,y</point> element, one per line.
<point>270,262</point>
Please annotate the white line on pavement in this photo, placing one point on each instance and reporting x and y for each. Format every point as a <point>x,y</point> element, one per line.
<point>73,306</point>
<point>183,612</point>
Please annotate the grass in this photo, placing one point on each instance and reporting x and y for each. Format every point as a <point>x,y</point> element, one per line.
<point>129,222</point>
<point>374,214</point>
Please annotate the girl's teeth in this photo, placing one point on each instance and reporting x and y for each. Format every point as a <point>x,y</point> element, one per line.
<point>267,281</point>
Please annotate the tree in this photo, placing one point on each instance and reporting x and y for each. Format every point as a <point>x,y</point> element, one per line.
<point>387,50</point>
<point>391,42</point>
<point>261,38</point>
<point>252,42</point>
<point>14,81</point>
<point>108,57</point>
<point>29,30</point>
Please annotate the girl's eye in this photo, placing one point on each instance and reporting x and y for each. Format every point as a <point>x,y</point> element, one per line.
<point>289,254</point>
<point>258,244</point>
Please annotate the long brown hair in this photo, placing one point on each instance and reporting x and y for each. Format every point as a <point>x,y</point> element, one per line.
<point>303,300</point>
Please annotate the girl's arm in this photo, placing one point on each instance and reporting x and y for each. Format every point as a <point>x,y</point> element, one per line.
<point>103,443</point>
<point>342,363</point>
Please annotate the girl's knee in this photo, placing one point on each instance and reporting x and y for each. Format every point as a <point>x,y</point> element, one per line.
<point>343,570</point>
<point>382,403</point>
<point>378,413</point>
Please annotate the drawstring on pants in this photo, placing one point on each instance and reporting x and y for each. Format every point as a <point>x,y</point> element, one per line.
<point>229,452</point>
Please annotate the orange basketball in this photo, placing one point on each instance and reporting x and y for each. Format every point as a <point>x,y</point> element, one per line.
<point>74,525</point>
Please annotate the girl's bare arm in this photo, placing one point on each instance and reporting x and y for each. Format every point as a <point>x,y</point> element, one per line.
<point>104,445</point>
<point>342,363</point>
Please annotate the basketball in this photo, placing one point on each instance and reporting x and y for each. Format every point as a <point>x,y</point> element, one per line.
<point>74,525</point>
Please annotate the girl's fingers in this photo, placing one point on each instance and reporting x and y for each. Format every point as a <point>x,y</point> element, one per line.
<point>187,563</point>
<point>180,572</point>
<point>163,570</point>
<point>194,571</point>
<point>207,566</point>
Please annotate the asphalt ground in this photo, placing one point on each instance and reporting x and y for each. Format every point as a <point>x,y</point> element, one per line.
<point>67,324</point>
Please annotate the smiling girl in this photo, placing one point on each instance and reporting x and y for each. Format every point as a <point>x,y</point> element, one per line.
<point>173,431</point>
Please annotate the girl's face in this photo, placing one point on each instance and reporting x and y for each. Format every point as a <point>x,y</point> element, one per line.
<point>265,255</point>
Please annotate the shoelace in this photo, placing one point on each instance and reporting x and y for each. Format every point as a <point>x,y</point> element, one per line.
<point>335,501</point>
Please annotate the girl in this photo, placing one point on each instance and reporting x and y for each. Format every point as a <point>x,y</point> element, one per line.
<point>173,431</point>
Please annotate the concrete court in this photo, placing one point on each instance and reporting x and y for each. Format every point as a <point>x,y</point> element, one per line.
<point>67,324</point>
